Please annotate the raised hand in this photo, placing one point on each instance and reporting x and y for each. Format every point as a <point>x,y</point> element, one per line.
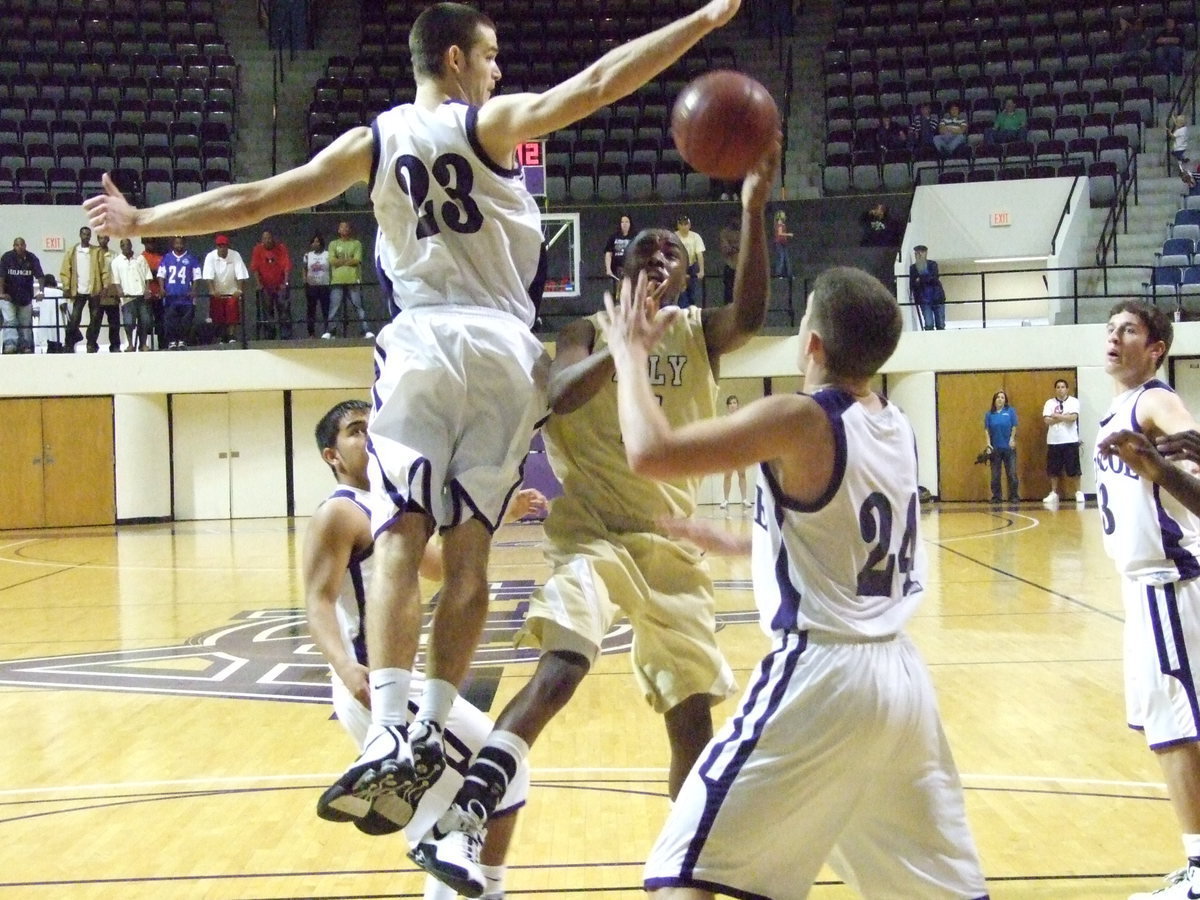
<point>110,213</point>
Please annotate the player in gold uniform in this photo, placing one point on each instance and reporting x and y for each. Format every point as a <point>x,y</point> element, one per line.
<point>606,546</point>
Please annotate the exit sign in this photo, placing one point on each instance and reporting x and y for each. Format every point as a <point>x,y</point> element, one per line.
<point>53,244</point>
<point>1000,219</point>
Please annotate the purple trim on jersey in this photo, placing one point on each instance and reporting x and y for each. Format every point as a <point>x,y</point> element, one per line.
<point>376,152</point>
<point>360,600</point>
<point>387,290</point>
<point>473,140</point>
<point>347,494</point>
<point>790,597</point>
<point>715,887</point>
<point>1182,674</point>
<point>834,402</point>
<point>775,671</point>
<point>1172,534</point>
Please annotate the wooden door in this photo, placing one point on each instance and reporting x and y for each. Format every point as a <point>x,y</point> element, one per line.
<point>79,461</point>
<point>962,400</point>
<point>257,455</point>
<point>200,453</point>
<point>22,503</point>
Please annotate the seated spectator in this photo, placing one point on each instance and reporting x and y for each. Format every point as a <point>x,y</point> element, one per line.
<point>952,131</point>
<point>1133,41</point>
<point>1168,48</point>
<point>924,127</point>
<point>1011,124</point>
<point>891,135</point>
<point>878,228</point>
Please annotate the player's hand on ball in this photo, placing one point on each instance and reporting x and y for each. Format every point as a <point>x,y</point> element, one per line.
<point>756,189</point>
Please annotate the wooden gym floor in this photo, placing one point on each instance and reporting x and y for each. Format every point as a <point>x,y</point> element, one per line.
<point>166,734</point>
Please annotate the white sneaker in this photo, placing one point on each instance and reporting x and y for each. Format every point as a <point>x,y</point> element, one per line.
<point>724,504</point>
<point>326,336</point>
<point>376,788</point>
<point>1079,498</point>
<point>1179,886</point>
<point>368,334</point>
<point>746,503</point>
<point>1050,498</point>
<point>450,851</point>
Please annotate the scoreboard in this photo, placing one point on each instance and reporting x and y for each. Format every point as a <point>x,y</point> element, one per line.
<point>531,157</point>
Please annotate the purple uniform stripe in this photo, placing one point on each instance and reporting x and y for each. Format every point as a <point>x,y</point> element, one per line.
<point>775,671</point>
<point>1172,648</point>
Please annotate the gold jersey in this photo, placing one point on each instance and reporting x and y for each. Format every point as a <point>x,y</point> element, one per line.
<point>585,447</point>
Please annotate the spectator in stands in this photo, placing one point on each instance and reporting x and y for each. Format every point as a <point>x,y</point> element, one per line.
<point>783,259</point>
<point>345,260</point>
<point>108,305</point>
<point>924,127</point>
<point>878,228</point>
<point>614,250</point>
<point>1133,40</point>
<point>131,277</point>
<point>1177,133</point>
<point>226,275</point>
<point>926,289</point>
<point>729,242</point>
<point>178,272</point>
<point>1011,124</point>
<point>316,285</point>
<point>951,132</point>
<point>271,265</point>
<point>20,281</point>
<point>694,245</point>
<point>83,278</point>
<point>1168,48</point>
<point>49,311</point>
<point>152,252</point>
<point>890,135</point>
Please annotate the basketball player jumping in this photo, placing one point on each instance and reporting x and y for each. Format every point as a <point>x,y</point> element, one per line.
<point>1155,542</point>
<point>608,553</point>
<point>337,546</point>
<point>461,378</point>
<point>837,751</point>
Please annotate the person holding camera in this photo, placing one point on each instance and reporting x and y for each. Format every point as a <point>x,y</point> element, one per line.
<point>1000,423</point>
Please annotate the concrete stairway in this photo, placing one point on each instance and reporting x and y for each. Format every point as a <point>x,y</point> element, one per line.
<point>247,40</point>
<point>1158,199</point>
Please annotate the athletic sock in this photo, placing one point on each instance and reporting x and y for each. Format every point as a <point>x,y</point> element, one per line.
<point>389,696</point>
<point>494,878</point>
<point>491,771</point>
<point>436,701</point>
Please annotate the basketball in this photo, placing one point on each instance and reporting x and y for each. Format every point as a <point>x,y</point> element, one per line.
<point>722,123</point>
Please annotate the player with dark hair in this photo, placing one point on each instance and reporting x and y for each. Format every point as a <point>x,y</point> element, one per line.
<point>837,752</point>
<point>337,549</point>
<point>1154,540</point>
<point>461,378</point>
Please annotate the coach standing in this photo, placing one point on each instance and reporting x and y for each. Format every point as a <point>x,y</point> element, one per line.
<point>1061,415</point>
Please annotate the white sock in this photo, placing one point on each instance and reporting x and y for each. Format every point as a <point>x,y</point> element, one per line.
<point>493,877</point>
<point>435,890</point>
<point>439,696</point>
<point>512,744</point>
<point>389,696</point>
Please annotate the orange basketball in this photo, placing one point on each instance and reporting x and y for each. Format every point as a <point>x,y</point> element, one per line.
<point>723,122</point>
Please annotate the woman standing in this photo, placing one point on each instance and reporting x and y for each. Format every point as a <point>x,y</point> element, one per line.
<point>316,285</point>
<point>783,262</point>
<point>614,250</point>
<point>1000,423</point>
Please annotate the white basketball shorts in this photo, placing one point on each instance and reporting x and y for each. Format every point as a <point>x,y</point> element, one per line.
<point>1162,660</point>
<point>458,393</point>
<point>835,754</point>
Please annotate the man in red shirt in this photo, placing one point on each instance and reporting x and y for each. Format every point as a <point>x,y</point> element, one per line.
<point>271,265</point>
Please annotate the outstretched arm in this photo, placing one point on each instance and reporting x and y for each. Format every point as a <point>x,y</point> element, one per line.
<point>343,163</point>
<point>728,327</point>
<point>507,120</point>
<point>1136,450</point>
